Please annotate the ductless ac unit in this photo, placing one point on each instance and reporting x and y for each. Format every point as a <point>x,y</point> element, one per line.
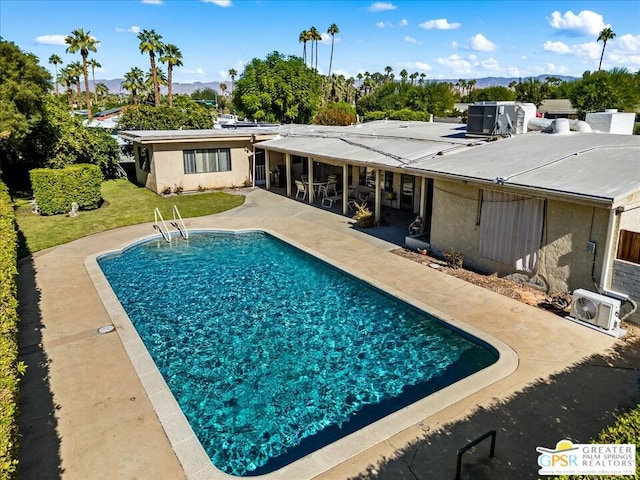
<point>595,310</point>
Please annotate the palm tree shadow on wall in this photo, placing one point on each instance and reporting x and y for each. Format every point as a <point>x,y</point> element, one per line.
<point>39,453</point>
<point>575,404</point>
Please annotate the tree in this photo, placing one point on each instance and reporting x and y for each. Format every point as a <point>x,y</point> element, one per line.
<point>150,42</point>
<point>93,63</point>
<point>75,70</point>
<point>597,91</point>
<point>497,93</point>
<point>24,87</point>
<point>314,36</point>
<point>278,89</point>
<point>185,115</point>
<point>232,73</point>
<point>134,83</point>
<point>303,38</point>
<point>333,30</point>
<point>531,90</point>
<point>83,42</point>
<point>403,75</point>
<point>605,35</point>
<point>388,71</point>
<point>223,88</point>
<point>66,79</point>
<point>55,60</point>
<point>173,58</point>
<point>102,91</point>
<point>340,113</point>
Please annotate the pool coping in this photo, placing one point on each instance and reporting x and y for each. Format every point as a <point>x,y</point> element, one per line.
<point>192,456</point>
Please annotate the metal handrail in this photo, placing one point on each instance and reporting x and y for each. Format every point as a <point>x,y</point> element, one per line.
<point>179,223</point>
<point>161,228</point>
<point>468,446</point>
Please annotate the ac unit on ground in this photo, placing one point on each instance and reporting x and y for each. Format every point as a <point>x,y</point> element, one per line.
<point>595,309</point>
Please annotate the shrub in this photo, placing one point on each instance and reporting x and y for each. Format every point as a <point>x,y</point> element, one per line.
<point>10,367</point>
<point>56,189</point>
<point>340,113</point>
<point>364,217</point>
<point>453,258</point>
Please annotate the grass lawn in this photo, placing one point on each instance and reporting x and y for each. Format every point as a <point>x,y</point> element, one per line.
<point>124,204</point>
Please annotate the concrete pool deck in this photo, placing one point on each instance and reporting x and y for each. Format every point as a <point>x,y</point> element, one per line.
<point>86,414</point>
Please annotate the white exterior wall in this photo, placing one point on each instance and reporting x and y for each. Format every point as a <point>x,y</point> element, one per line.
<point>620,123</point>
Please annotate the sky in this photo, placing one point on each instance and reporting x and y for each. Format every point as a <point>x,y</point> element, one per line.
<point>454,39</point>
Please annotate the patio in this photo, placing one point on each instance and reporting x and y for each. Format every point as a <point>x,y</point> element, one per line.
<point>85,413</point>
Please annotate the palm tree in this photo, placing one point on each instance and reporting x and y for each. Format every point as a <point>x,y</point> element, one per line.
<point>223,88</point>
<point>232,74</point>
<point>84,43</point>
<point>403,75</point>
<point>314,35</point>
<point>66,79</point>
<point>304,38</point>
<point>605,35</point>
<point>333,30</point>
<point>150,42</point>
<point>172,56</point>
<point>93,63</point>
<point>102,90</point>
<point>55,60</point>
<point>422,77</point>
<point>75,70</point>
<point>388,70</point>
<point>134,83</point>
<point>413,77</point>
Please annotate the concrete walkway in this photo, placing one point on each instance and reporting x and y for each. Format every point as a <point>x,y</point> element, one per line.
<point>86,414</point>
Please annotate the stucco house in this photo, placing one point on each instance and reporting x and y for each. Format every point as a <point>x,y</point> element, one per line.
<point>196,159</point>
<point>559,207</point>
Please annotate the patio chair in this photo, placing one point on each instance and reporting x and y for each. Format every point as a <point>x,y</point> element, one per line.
<point>416,226</point>
<point>330,187</point>
<point>301,188</point>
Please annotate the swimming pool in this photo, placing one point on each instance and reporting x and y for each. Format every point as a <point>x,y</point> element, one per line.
<point>215,312</point>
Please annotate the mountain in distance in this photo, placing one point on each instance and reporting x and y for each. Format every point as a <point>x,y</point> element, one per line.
<point>189,88</point>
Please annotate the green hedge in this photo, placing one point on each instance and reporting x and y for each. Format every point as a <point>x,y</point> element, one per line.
<point>10,368</point>
<point>56,189</point>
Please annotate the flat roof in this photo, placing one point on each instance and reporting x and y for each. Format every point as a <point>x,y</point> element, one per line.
<point>597,167</point>
<point>161,136</point>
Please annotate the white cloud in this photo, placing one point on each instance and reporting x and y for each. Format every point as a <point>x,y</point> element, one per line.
<point>589,50</point>
<point>152,2</point>
<point>425,67</point>
<point>412,40</point>
<point>552,68</point>
<point>454,44</point>
<point>586,22</point>
<point>472,57</point>
<point>456,63</point>
<point>523,57</point>
<point>556,47</point>
<point>490,64</point>
<point>479,42</point>
<point>50,40</point>
<point>220,3</point>
<point>384,25</point>
<point>381,7</point>
<point>439,24</point>
<point>403,23</point>
<point>514,72</point>
<point>627,43</point>
<point>131,29</point>
<point>624,50</point>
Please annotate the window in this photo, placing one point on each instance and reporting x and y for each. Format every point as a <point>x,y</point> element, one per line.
<point>143,159</point>
<point>511,229</point>
<point>207,160</point>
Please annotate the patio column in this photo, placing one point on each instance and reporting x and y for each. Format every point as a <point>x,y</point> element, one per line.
<point>377,196</point>
<point>345,189</point>
<point>310,186</point>
<point>287,163</point>
<point>267,170</point>
<point>423,197</point>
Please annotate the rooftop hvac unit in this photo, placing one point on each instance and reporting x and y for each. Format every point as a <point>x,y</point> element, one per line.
<point>596,311</point>
<point>492,118</point>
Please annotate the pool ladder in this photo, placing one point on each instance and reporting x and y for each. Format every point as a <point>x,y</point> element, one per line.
<point>160,225</point>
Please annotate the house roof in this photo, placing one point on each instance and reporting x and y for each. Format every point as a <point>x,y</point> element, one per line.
<point>597,168</point>
<point>603,168</point>
<point>171,136</point>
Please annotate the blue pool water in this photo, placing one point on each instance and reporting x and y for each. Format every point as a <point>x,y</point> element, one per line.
<point>271,353</point>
